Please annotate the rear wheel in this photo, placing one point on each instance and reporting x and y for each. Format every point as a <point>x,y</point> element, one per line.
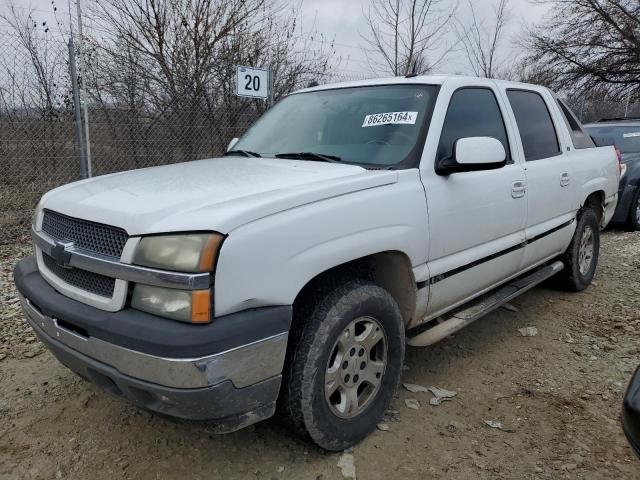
<point>633,221</point>
<point>581,258</point>
<point>344,364</point>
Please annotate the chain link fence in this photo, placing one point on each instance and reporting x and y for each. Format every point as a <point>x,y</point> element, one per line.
<point>39,143</point>
<point>124,140</point>
<point>593,107</point>
<point>37,135</point>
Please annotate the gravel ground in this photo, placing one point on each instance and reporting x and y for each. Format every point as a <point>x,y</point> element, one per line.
<point>557,395</point>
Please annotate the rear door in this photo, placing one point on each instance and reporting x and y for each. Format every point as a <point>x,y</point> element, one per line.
<point>477,218</point>
<point>550,173</point>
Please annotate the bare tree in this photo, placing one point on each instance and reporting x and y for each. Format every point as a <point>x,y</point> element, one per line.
<point>163,69</point>
<point>406,35</point>
<point>36,78</point>
<point>481,42</point>
<point>590,44</point>
<point>178,39</point>
<point>186,48</point>
<point>34,99</point>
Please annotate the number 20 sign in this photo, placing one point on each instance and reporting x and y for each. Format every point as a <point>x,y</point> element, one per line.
<point>252,82</point>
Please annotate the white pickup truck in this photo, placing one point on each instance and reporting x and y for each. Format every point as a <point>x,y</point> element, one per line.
<point>289,275</point>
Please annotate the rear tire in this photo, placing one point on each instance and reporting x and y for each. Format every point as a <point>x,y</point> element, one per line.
<point>343,363</point>
<point>581,258</point>
<point>633,221</point>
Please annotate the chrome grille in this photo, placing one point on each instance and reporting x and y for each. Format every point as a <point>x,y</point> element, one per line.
<point>94,237</point>
<point>83,279</point>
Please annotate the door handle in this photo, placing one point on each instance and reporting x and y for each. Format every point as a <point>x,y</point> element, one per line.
<point>564,179</point>
<point>518,189</point>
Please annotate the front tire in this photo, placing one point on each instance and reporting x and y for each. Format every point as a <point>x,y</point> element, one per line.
<point>581,258</point>
<point>344,363</point>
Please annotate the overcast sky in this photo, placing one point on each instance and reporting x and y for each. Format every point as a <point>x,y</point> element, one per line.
<point>343,22</point>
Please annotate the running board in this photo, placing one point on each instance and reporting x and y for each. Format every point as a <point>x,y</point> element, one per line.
<point>477,309</point>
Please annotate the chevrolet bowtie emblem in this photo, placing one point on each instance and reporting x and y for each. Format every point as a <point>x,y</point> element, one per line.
<point>61,254</point>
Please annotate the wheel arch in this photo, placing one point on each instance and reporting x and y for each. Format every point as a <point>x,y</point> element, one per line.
<point>595,200</point>
<point>390,270</point>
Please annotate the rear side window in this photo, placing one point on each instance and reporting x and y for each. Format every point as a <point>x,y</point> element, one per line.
<point>539,138</point>
<point>578,136</point>
<point>472,112</point>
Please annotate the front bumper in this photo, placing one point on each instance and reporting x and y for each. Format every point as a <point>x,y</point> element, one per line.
<point>229,370</point>
<point>631,413</point>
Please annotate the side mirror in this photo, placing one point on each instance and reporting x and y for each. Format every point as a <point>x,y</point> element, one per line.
<point>232,143</point>
<point>472,154</point>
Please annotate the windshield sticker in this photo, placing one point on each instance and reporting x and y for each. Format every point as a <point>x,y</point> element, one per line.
<point>390,118</point>
<point>631,134</point>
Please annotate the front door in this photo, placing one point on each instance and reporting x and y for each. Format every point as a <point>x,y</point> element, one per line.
<point>476,219</point>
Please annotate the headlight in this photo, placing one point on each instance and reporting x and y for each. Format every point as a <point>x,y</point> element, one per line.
<point>195,252</point>
<point>192,306</point>
<point>182,253</point>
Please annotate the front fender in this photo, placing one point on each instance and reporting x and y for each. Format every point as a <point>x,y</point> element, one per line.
<point>268,261</point>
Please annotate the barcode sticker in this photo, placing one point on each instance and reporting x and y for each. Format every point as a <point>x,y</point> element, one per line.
<point>398,118</point>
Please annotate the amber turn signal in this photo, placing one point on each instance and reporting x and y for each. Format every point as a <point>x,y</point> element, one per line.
<point>201,306</point>
<point>209,253</point>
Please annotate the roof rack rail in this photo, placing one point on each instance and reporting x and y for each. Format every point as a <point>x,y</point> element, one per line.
<point>619,119</point>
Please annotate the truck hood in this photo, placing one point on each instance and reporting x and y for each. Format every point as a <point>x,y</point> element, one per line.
<point>215,194</point>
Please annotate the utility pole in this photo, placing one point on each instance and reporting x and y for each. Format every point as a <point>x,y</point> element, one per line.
<point>83,94</point>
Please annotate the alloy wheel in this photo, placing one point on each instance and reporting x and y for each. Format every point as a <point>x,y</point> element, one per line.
<point>585,252</point>
<point>356,367</point>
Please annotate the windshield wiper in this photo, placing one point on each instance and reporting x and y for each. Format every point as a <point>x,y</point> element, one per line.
<point>318,157</point>
<point>244,153</point>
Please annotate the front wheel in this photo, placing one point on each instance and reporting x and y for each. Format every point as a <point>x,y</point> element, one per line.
<point>581,258</point>
<point>344,364</point>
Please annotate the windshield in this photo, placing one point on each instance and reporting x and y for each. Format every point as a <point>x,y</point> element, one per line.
<point>625,138</point>
<point>378,125</point>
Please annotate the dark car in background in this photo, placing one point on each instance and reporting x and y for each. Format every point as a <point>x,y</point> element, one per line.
<point>624,134</point>
<point>631,413</point>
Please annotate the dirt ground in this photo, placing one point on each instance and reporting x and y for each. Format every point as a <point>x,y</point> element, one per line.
<point>558,395</point>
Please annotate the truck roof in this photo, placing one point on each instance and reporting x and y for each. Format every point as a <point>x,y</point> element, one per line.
<point>418,79</point>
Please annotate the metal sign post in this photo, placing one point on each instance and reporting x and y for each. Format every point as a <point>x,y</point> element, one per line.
<point>271,84</point>
<point>83,95</point>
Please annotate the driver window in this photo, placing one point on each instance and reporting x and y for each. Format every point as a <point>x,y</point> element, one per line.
<point>472,112</point>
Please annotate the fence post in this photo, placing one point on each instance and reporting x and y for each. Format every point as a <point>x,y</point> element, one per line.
<point>77,109</point>
<point>83,94</point>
